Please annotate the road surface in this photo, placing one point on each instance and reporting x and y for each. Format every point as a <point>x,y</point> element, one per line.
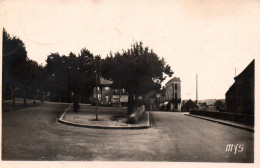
<point>34,134</point>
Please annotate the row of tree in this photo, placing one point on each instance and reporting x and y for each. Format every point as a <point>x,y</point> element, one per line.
<point>137,70</point>
<point>72,75</point>
<point>19,72</point>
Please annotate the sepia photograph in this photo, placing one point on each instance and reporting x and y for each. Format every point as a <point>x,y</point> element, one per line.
<point>130,82</point>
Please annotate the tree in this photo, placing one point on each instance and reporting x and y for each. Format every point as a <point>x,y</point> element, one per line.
<point>32,76</point>
<point>14,60</point>
<point>69,75</point>
<point>90,66</point>
<point>138,70</point>
<point>87,77</point>
<point>57,77</point>
<point>41,82</point>
<point>220,105</point>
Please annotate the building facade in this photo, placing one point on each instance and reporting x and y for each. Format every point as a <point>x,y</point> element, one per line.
<point>173,94</point>
<point>240,98</point>
<point>109,96</point>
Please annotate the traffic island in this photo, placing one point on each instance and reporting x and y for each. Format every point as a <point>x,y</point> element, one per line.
<point>108,118</point>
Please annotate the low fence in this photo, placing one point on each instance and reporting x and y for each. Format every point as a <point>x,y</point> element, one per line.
<point>136,115</point>
<point>240,118</point>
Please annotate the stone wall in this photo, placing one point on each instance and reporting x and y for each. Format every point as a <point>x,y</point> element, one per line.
<point>240,118</point>
<point>136,115</point>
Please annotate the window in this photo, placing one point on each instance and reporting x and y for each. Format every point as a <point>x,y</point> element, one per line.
<point>116,91</point>
<point>123,91</point>
<point>176,96</point>
<point>176,106</point>
<point>106,88</point>
<point>95,95</point>
<point>175,86</point>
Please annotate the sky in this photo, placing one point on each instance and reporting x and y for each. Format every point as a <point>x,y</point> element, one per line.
<point>208,38</point>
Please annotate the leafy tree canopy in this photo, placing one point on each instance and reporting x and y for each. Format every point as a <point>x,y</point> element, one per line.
<point>14,58</point>
<point>137,69</point>
<point>72,73</point>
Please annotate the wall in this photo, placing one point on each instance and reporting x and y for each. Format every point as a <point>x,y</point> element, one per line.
<point>240,118</point>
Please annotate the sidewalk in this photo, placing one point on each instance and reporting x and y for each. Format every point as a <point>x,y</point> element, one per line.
<point>225,122</point>
<point>108,117</point>
<point>7,105</point>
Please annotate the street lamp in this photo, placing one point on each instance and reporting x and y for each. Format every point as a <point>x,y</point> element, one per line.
<point>95,70</point>
<point>96,95</point>
<point>158,96</point>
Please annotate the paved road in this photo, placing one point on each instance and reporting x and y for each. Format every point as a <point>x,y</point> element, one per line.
<point>34,134</point>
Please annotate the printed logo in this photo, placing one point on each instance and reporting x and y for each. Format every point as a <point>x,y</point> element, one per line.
<point>235,148</point>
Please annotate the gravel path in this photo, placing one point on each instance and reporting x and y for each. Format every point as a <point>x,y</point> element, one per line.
<point>107,116</point>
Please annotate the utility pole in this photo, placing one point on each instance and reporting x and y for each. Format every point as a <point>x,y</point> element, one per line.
<point>97,80</point>
<point>196,88</point>
<point>96,97</point>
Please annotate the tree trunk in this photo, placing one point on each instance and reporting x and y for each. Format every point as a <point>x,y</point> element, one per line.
<point>45,96</point>
<point>135,102</point>
<point>24,97</point>
<point>120,97</point>
<point>101,93</point>
<point>34,98</point>
<point>13,97</point>
<point>41,94</point>
<point>76,103</point>
<point>130,104</point>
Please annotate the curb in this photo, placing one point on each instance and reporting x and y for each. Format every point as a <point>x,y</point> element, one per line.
<point>61,120</point>
<point>65,111</point>
<point>223,122</point>
<point>17,108</point>
<point>148,121</point>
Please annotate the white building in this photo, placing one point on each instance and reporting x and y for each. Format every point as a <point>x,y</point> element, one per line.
<point>173,94</point>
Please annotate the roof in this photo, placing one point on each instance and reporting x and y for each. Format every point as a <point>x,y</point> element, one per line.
<point>104,81</point>
<point>174,79</point>
<point>248,71</point>
<point>231,90</point>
